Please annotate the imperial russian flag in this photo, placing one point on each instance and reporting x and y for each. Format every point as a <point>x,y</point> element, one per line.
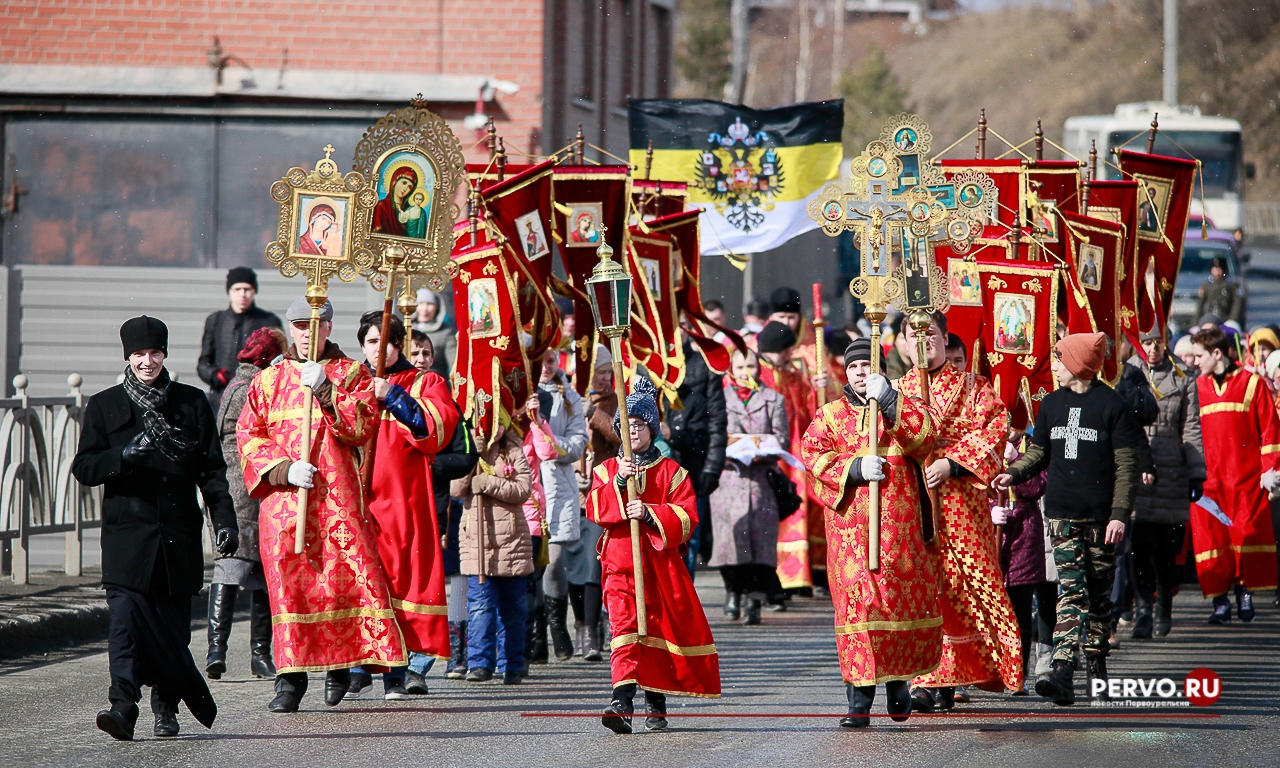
<point>753,170</point>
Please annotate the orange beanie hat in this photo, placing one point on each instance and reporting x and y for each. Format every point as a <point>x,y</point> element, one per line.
<point>1083,353</point>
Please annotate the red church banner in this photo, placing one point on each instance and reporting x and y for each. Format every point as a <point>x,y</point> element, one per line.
<point>1117,201</point>
<point>1018,328</point>
<point>1095,249</point>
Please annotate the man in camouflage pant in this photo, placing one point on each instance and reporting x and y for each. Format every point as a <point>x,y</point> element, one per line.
<point>1086,436</point>
<point>1086,569</point>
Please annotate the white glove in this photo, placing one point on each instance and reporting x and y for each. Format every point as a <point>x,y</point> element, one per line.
<point>1270,480</point>
<point>999,515</point>
<point>1010,452</point>
<point>312,374</point>
<point>879,388</point>
<point>873,466</point>
<point>300,474</point>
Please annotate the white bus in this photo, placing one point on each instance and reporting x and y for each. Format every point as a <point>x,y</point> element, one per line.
<point>1215,141</point>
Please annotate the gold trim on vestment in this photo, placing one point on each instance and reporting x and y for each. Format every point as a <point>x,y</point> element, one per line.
<point>1246,549</point>
<point>1250,389</point>
<point>1270,448</point>
<point>635,682</point>
<point>428,610</point>
<point>662,645</point>
<point>370,662</point>
<point>889,626</point>
<point>661,530</point>
<point>686,523</point>
<point>278,415</point>
<point>677,479</point>
<point>1206,410</point>
<point>889,678</point>
<point>794,546</point>
<point>346,613</point>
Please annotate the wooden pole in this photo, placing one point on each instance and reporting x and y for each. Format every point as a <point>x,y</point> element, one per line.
<point>875,315</point>
<point>500,160</point>
<point>380,371</point>
<point>637,562</point>
<point>580,149</point>
<point>819,342</point>
<point>1090,174</point>
<point>920,322</point>
<point>1151,134</point>
<point>1039,141</point>
<point>316,297</point>
<point>648,161</point>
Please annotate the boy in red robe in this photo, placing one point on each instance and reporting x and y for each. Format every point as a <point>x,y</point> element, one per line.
<point>678,655</point>
<point>416,422</point>
<point>888,622</point>
<point>981,646</point>
<point>1242,453</point>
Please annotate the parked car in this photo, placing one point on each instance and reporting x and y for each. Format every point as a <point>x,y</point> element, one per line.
<point>1197,257</point>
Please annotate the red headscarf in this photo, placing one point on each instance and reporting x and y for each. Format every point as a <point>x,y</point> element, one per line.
<point>262,346</point>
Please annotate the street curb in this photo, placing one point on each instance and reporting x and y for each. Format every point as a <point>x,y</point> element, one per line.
<point>60,618</point>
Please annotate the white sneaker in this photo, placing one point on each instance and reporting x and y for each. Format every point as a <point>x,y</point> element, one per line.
<point>394,691</point>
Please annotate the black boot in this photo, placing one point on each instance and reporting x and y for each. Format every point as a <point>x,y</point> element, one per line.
<point>1163,614</point>
<point>290,688</point>
<point>1244,604</point>
<point>733,606</point>
<point>557,616</point>
<point>1143,620</point>
<point>860,698</point>
<point>336,682</point>
<point>118,721</point>
<point>579,638</point>
<point>260,661</point>
<point>456,669</point>
<point>591,644</point>
<point>222,607</point>
<point>538,653</point>
<point>655,709</point>
<point>166,715</point>
<point>751,612</point>
<point>617,716</point>
<point>922,700</point>
<point>1221,610</point>
<point>1058,686</point>
<point>898,693</point>
<point>946,698</point>
<point>1097,670</point>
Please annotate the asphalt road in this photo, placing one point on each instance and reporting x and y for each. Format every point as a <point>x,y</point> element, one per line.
<point>787,666</point>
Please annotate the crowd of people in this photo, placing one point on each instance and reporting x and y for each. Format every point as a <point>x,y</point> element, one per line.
<point>375,534</point>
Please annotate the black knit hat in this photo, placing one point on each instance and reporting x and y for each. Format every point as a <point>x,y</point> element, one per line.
<point>785,299</point>
<point>237,275</point>
<point>775,337</point>
<point>860,349</point>
<point>144,332</point>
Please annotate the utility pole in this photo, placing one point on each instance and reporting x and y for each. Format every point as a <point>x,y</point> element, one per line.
<point>802,61</point>
<point>1170,51</point>
<point>837,45</point>
<point>738,58</point>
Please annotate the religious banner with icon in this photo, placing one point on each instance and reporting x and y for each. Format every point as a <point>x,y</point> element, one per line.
<point>491,373</point>
<point>414,164</point>
<point>1007,179</point>
<point>589,202</point>
<point>1018,332</point>
<point>1052,189</point>
<point>654,336</point>
<point>519,208</point>
<point>1095,250</point>
<point>1164,205</point>
<point>1117,202</point>
<point>754,170</point>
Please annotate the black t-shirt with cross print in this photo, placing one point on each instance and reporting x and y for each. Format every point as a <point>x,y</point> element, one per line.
<point>1081,433</point>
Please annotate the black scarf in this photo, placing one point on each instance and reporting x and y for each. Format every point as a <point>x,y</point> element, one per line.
<point>646,457</point>
<point>151,399</point>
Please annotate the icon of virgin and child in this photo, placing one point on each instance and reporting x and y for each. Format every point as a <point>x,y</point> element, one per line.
<point>404,208</point>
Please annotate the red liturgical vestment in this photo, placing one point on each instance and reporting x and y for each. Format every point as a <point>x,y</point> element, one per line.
<point>403,504</point>
<point>330,607</point>
<point>678,655</point>
<point>980,643</point>
<point>888,622</point>
<point>1241,441</point>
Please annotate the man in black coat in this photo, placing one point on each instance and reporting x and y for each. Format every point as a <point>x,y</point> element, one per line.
<point>699,434</point>
<point>151,442</point>
<point>225,332</point>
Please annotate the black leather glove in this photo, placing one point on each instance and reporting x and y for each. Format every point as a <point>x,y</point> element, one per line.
<point>710,482</point>
<point>1197,490</point>
<point>137,450</point>
<point>226,541</point>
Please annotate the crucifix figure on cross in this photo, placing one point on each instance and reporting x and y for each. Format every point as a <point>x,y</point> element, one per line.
<point>877,215</point>
<point>1073,433</point>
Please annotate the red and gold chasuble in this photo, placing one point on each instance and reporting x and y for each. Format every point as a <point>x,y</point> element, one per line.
<point>980,643</point>
<point>330,608</point>
<point>678,655</point>
<point>796,555</point>
<point>888,622</point>
<point>1241,441</point>
<point>403,505</point>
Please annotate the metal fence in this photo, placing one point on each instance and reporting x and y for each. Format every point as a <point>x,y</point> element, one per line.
<point>38,495</point>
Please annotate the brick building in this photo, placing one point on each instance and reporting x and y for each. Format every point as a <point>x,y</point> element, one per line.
<point>146,133</point>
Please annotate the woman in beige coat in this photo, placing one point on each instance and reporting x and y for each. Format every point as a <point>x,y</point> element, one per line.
<point>496,555</point>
